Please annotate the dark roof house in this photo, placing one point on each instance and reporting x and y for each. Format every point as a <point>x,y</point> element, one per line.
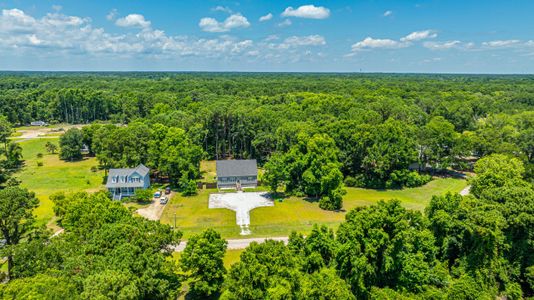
<point>239,173</point>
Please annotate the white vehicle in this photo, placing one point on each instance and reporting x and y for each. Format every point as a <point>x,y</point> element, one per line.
<point>163,200</point>
<point>157,195</point>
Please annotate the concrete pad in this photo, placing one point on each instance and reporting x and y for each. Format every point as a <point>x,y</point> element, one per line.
<point>242,203</point>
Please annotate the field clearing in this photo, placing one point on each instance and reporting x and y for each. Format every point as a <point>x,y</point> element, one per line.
<point>292,214</point>
<point>55,175</point>
<point>230,257</point>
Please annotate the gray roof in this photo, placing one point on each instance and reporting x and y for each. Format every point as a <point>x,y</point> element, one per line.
<point>243,167</point>
<point>141,170</point>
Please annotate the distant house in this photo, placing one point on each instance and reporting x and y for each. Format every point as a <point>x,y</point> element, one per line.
<point>38,123</point>
<point>237,174</point>
<point>124,182</point>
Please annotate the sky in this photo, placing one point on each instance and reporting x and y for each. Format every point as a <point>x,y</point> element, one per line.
<point>434,36</point>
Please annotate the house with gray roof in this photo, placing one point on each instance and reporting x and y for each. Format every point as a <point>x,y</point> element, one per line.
<point>237,174</point>
<point>124,182</point>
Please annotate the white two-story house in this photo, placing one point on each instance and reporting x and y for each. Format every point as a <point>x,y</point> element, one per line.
<point>124,182</point>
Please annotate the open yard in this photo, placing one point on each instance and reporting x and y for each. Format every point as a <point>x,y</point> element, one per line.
<point>54,175</point>
<point>192,214</point>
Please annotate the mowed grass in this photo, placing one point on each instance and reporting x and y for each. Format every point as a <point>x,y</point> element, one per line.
<point>292,214</point>
<point>230,257</point>
<point>55,175</point>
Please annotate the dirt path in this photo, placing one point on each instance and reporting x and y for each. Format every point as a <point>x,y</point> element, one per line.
<point>465,191</point>
<point>238,243</point>
<point>42,132</point>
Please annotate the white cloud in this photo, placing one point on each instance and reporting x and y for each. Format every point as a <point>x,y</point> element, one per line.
<point>111,15</point>
<point>285,23</point>
<point>419,35</point>
<point>232,22</point>
<point>441,45</point>
<point>388,13</point>
<point>57,7</point>
<point>501,43</point>
<point>267,17</point>
<point>61,34</point>
<point>222,9</point>
<point>310,40</point>
<point>272,37</point>
<point>371,43</point>
<point>307,11</point>
<point>133,20</point>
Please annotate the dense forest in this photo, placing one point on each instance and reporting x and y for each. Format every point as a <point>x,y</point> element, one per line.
<point>313,134</point>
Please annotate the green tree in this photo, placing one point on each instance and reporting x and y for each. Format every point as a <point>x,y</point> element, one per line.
<point>203,260</point>
<point>110,284</point>
<point>310,167</point>
<point>13,156</point>
<point>41,286</point>
<point>326,285</point>
<point>70,144</point>
<point>51,147</point>
<point>317,250</point>
<point>385,245</point>
<point>16,218</point>
<point>439,143</point>
<point>265,271</point>
<point>496,171</point>
<point>5,131</point>
<point>179,155</point>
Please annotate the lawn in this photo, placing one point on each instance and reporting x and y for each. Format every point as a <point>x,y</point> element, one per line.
<point>55,175</point>
<point>292,214</point>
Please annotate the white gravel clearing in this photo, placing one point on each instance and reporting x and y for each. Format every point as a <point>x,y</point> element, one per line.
<point>242,203</point>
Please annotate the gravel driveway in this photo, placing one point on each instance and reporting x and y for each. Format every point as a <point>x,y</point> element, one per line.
<point>153,211</point>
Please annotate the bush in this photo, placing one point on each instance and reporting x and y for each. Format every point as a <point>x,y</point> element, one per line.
<point>142,195</point>
<point>334,201</point>
<point>406,178</point>
<point>39,155</point>
<point>189,188</point>
<point>357,181</point>
<point>94,169</point>
<point>39,163</point>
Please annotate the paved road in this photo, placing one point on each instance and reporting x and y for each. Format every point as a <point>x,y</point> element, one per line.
<point>238,243</point>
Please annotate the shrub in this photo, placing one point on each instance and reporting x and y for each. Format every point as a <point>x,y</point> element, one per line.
<point>142,195</point>
<point>357,181</point>
<point>39,163</point>
<point>334,201</point>
<point>39,155</point>
<point>189,188</point>
<point>406,178</point>
<point>94,169</point>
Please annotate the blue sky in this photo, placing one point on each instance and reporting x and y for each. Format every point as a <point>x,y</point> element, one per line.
<point>469,36</point>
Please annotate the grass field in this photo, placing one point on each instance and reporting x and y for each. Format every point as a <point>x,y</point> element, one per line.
<point>55,175</point>
<point>292,214</point>
<point>192,213</point>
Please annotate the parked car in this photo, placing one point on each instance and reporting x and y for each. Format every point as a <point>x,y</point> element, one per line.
<point>157,195</point>
<point>163,200</point>
<point>167,190</point>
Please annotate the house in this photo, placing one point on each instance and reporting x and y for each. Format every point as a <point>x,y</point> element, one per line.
<point>124,182</point>
<point>38,123</point>
<point>237,174</point>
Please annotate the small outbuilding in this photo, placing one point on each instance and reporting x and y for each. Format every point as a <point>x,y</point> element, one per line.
<point>38,123</point>
<point>237,174</point>
<point>124,182</point>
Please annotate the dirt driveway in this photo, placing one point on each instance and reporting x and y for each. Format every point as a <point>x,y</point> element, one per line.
<point>154,210</point>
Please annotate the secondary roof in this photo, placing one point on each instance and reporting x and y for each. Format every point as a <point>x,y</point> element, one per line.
<point>238,167</point>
